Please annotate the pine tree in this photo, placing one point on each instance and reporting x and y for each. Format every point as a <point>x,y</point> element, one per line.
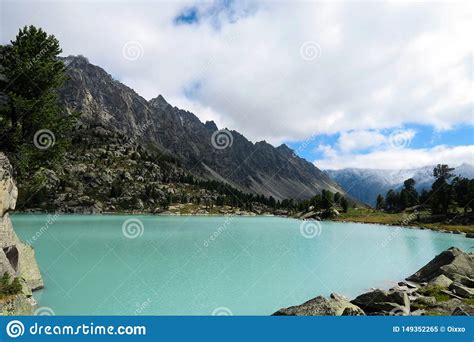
<point>31,75</point>
<point>344,204</point>
<point>380,202</point>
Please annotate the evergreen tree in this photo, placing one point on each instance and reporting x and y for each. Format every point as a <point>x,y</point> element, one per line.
<point>31,75</point>
<point>441,190</point>
<point>380,205</point>
<point>344,204</point>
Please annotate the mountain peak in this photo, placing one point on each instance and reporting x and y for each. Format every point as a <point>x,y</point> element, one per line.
<point>256,168</point>
<point>78,60</point>
<point>159,102</point>
<point>211,125</point>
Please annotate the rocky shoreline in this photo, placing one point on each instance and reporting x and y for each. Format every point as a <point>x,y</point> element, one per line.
<point>228,211</point>
<point>17,259</point>
<point>443,287</point>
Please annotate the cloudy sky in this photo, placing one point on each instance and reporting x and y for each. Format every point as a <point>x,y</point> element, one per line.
<point>346,84</point>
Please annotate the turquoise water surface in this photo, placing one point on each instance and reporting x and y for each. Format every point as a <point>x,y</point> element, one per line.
<point>157,265</point>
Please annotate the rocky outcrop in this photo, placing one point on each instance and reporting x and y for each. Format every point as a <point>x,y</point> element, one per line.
<point>16,258</point>
<point>452,263</point>
<point>384,302</point>
<point>336,305</point>
<point>445,286</point>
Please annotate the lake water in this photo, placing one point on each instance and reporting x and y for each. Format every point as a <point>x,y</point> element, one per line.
<point>156,265</point>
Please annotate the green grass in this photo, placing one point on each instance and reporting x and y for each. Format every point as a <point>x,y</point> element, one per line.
<point>469,301</point>
<point>433,313</point>
<point>418,306</point>
<point>367,215</point>
<point>435,291</point>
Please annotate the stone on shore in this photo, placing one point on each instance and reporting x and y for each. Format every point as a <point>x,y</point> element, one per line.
<point>452,263</point>
<point>388,302</point>
<point>443,287</point>
<point>441,281</point>
<point>461,290</point>
<point>336,305</point>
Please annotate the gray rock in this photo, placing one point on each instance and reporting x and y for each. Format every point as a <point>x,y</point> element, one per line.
<point>349,311</point>
<point>334,306</point>
<point>451,263</point>
<point>461,290</point>
<point>408,284</point>
<point>466,281</point>
<point>460,311</point>
<point>5,265</point>
<point>426,300</point>
<point>29,269</point>
<point>441,281</point>
<point>19,305</point>
<point>385,301</point>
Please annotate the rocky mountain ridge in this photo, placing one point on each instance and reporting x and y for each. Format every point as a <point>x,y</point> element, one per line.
<point>257,168</point>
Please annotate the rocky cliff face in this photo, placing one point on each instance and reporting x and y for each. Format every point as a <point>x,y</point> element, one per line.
<point>16,258</point>
<point>258,168</point>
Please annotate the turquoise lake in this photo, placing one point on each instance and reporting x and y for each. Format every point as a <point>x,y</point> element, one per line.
<point>158,265</point>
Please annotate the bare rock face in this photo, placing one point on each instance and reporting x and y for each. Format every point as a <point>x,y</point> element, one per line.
<point>249,167</point>
<point>452,263</point>
<point>16,258</point>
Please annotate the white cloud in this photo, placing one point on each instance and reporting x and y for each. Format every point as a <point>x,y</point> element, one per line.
<point>360,140</point>
<point>393,158</point>
<point>382,65</point>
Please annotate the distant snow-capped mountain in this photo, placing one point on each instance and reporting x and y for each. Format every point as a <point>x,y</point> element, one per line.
<point>366,184</point>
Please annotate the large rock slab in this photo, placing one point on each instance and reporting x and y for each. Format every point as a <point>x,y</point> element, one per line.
<point>336,305</point>
<point>18,305</point>
<point>452,263</point>
<point>5,265</point>
<point>8,236</point>
<point>384,302</point>
<point>440,281</point>
<point>28,267</point>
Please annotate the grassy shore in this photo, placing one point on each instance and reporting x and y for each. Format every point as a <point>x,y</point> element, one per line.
<point>364,215</point>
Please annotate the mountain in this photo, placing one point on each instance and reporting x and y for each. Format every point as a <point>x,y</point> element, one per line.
<point>257,168</point>
<point>366,184</point>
